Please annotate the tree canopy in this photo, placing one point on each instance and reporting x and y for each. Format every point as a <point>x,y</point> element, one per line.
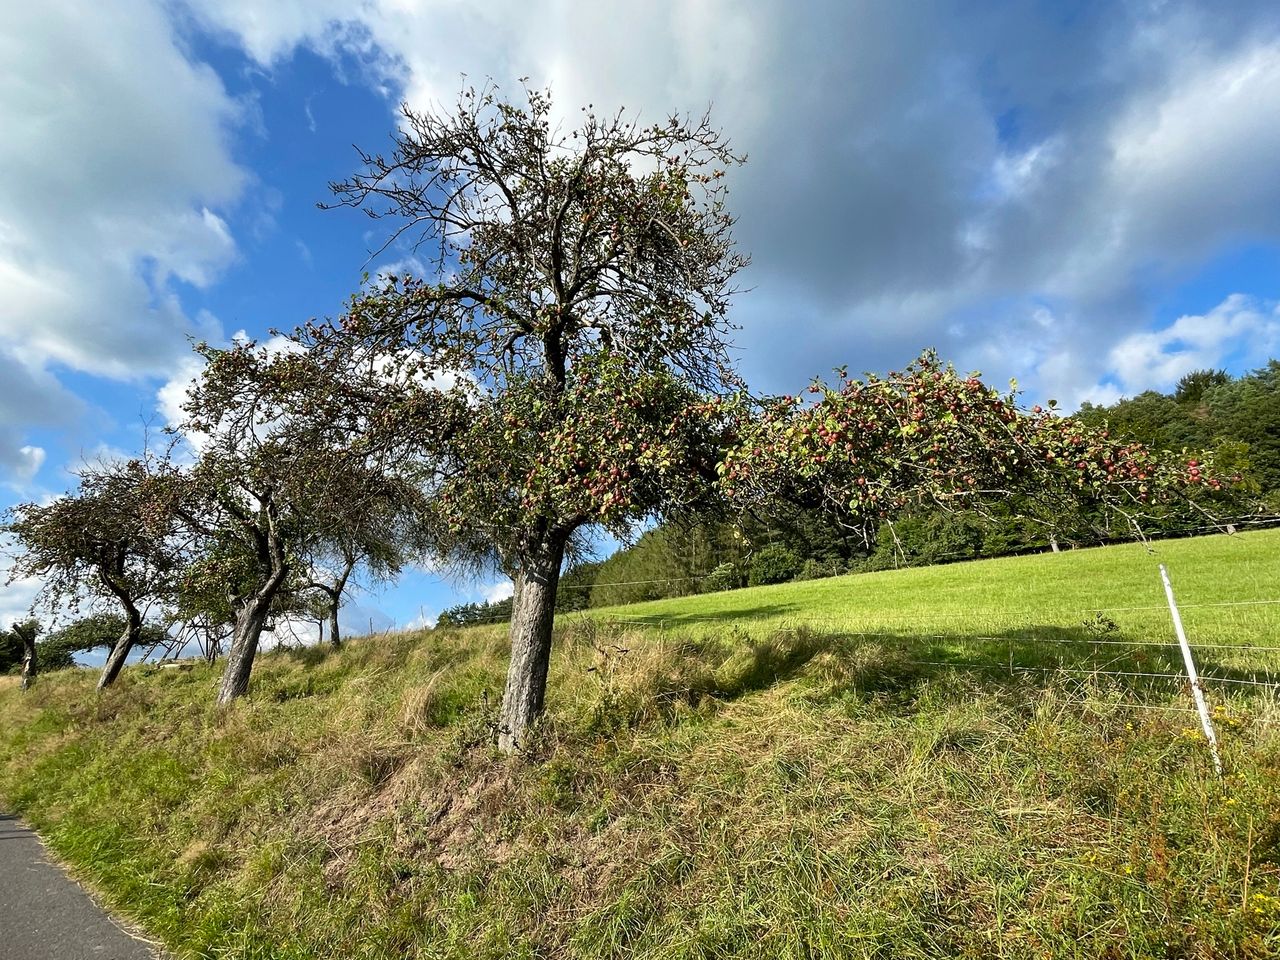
<point>281,481</point>
<point>870,449</point>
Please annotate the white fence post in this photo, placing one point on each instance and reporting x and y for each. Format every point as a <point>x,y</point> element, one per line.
<point>1196,690</point>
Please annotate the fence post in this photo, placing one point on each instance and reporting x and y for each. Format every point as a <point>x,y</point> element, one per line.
<point>1196,690</point>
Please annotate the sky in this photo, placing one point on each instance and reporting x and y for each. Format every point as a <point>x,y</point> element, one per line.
<point>1079,195</point>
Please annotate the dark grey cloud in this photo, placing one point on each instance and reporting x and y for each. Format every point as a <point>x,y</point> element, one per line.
<point>940,179</point>
<point>29,398</point>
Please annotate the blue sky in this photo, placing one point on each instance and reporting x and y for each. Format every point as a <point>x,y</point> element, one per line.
<point>1081,195</point>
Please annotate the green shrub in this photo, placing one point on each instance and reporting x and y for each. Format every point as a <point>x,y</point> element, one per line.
<point>723,577</point>
<point>773,564</point>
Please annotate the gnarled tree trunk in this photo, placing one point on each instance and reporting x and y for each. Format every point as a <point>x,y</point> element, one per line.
<point>252,610</point>
<point>251,618</point>
<point>532,618</point>
<point>29,667</point>
<point>115,660</point>
<point>335,637</point>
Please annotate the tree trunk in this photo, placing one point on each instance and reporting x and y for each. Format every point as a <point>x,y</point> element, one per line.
<point>334,593</point>
<point>115,660</point>
<point>335,637</point>
<point>532,619</point>
<point>250,620</point>
<point>28,656</point>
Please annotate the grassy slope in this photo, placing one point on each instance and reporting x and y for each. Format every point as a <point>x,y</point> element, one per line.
<point>734,785</point>
<point>1022,593</point>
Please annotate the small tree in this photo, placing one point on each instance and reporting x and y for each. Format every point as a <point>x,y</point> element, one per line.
<point>577,305</point>
<point>278,473</point>
<point>110,540</point>
<point>773,564</point>
<point>102,630</point>
<point>332,588</point>
<point>368,525</point>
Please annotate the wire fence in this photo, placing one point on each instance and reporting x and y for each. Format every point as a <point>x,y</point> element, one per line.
<point>1128,664</point>
<point>1099,672</point>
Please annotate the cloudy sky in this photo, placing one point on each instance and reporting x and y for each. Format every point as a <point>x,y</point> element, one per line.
<point>1081,195</point>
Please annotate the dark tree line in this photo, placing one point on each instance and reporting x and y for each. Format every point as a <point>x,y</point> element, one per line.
<point>1235,418</point>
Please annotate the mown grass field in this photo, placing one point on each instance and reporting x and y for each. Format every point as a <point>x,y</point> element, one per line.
<point>1021,593</point>
<point>792,771</point>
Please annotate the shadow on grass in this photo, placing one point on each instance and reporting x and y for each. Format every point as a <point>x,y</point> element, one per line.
<point>1053,650</point>
<point>1045,650</point>
<point>766,662</point>
<point>893,667</point>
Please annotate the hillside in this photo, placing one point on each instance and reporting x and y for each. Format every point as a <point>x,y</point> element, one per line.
<point>1015,593</point>
<point>886,765</point>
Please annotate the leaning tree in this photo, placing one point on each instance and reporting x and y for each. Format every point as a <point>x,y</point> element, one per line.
<point>571,328</point>
<point>24,634</point>
<point>281,471</point>
<point>110,540</point>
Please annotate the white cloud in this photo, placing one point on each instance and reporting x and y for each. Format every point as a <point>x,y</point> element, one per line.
<point>423,621</point>
<point>405,266</point>
<point>176,391</point>
<point>1196,161</point>
<point>269,32</point>
<point>1240,326</point>
<point>32,458</point>
<point>116,164</point>
<point>29,397</point>
<point>496,592</point>
<point>914,180</point>
<point>16,598</point>
<point>888,191</point>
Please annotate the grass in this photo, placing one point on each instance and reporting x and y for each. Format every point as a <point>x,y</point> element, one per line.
<point>1021,593</point>
<point>791,771</point>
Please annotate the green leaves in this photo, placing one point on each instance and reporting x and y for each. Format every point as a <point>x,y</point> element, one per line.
<point>112,538</point>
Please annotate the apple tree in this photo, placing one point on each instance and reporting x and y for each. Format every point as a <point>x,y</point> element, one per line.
<point>365,525</point>
<point>867,450</point>
<point>567,335</point>
<point>278,476</point>
<point>110,540</point>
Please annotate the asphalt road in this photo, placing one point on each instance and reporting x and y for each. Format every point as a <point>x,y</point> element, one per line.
<point>45,915</point>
